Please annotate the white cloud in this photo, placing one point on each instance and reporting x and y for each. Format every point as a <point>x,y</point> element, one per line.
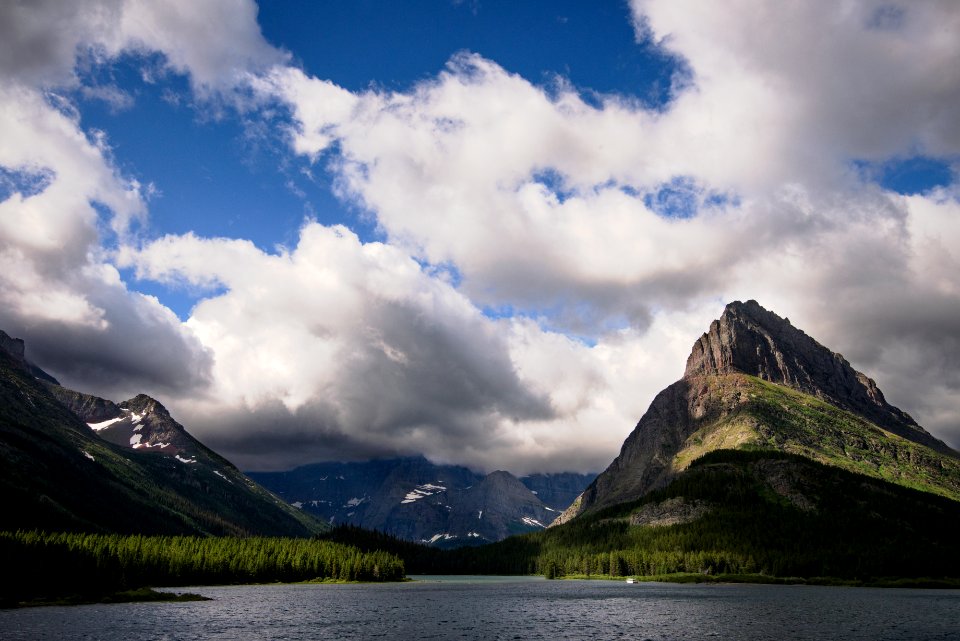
<point>58,289</point>
<point>358,343</point>
<point>65,200</point>
<point>340,349</point>
<point>536,198</point>
<point>813,83</point>
<point>218,42</point>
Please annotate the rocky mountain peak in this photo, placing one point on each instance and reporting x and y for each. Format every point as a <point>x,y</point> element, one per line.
<point>16,349</point>
<point>720,404</point>
<point>12,346</point>
<point>751,340</point>
<point>143,404</point>
<point>500,477</point>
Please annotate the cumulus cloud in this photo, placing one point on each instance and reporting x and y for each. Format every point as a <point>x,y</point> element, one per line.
<point>216,42</point>
<point>64,202</point>
<point>599,236</point>
<point>833,81</point>
<point>551,205</point>
<point>352,350</point>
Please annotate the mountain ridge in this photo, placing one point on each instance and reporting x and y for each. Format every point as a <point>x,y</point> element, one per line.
<point>57,474</point>
<point>730,397</point>
<point>417,500</point>
<point>751,340</point>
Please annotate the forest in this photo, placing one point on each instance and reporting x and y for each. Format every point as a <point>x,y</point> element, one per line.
<point>40,566</point>
<point>843,526</point>
<point>821,524</point>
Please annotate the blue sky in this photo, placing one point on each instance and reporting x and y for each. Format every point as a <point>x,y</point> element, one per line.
<point>474,230</point>
<point>215,177</point>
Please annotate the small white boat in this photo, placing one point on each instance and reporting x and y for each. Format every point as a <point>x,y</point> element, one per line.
<point>631,580</point>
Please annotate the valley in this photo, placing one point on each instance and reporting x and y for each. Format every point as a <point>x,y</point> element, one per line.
<point>770,460</point>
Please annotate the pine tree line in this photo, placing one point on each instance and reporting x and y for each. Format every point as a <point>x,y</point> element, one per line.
<point>854,528</point>
<point>42,564</point>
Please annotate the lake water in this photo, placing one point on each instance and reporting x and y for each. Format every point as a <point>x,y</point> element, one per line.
<point>508,608</point>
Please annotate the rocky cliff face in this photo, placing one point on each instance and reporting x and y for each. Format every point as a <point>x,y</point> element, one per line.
<point>718,405</point>
<point>88,408</point>
<point>15,348</point>
<point>749,339</point>
<point>141,423</point>
<point>557,490</point>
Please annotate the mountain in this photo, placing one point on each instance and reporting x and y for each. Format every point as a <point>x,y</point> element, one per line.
<point>557,490</point>
<point>147,475</point>
<point>753,381</point>
<point>416,500</point>
<point>140,423</point>
<point>744,515</point>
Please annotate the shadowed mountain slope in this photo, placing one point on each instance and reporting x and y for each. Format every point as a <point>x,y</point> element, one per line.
<point>56,473</point>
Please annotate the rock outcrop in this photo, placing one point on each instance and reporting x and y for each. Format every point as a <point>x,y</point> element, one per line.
<point>88,408</point>
<point>719,388</point>
<point>751,340</point>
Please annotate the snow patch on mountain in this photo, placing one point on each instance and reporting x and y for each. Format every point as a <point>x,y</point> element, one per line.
<point>422,491</point>
<point>446,536</point>
<point>96,427</point>
<point>137,445</point>
<point>533,522</point>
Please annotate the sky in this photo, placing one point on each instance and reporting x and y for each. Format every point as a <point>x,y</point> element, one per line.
<point>485,232</point>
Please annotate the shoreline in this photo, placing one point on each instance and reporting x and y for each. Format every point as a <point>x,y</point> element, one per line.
<point>927,583</point>
<point>138,595</point>
<point>149,594</point>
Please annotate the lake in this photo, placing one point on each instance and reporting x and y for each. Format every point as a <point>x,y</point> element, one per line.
<point>508,608</point>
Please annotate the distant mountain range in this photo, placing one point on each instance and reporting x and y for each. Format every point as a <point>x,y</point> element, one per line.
<point>771,455</point>
<point>75,462</point>
<point>756,382</point>
<point>416,500</point>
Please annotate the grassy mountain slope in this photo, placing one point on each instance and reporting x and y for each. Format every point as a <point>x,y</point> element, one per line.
<point>771,416</point>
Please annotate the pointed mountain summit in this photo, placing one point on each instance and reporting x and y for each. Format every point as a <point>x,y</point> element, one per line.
<point>754,381</point>
<point>748,339</point>
<point>141,423</point>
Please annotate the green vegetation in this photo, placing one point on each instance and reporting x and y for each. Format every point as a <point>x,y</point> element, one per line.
<point>775,417</point>
<point>139,595</point>
<point>772,517</point>
<point>44,566</point>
